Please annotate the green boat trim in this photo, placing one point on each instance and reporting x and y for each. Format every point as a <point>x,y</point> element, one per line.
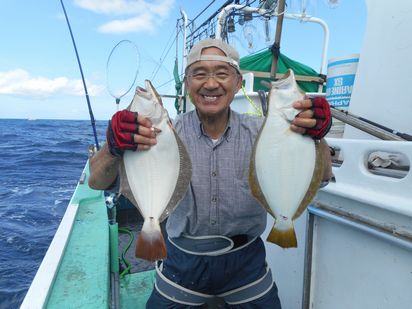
<point>75,271</point>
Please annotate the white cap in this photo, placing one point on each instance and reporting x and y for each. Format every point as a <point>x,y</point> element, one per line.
<point>195,53</point>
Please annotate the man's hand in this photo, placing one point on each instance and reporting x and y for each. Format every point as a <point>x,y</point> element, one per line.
<point>315,118</point>
<point>129,131</point>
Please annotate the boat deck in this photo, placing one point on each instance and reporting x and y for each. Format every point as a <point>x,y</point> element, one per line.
<point>135,289</point>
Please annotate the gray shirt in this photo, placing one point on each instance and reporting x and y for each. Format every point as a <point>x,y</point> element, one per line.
<point>218,200</point>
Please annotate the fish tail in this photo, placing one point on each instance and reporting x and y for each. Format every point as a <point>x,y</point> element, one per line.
<point>283,234</point>
<point>150,244</point>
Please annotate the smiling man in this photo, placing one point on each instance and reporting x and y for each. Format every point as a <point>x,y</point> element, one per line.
<point>214,245</point>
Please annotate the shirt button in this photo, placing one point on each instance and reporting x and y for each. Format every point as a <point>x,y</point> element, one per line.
<point>214,174</point>
<point>214,199</point>
<point>213,222</point>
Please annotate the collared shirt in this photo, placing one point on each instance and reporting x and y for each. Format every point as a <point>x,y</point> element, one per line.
<point>218,200</point>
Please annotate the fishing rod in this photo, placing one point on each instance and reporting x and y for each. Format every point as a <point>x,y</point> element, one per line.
<point>369,126</point>
<point>84,82</point>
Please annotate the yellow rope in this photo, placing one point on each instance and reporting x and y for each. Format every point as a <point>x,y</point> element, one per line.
<point>257,109</point>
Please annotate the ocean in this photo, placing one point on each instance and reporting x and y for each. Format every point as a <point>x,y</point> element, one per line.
<point>40,164</point>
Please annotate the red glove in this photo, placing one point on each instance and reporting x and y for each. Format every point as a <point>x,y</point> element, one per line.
<point>120,132</point>
<point>322,114</point>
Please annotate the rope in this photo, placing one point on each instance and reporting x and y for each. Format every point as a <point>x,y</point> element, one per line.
<point>125,261</point>
<point>258,111</point>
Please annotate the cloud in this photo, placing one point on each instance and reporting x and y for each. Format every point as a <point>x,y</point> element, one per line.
<point>146,15</point>
<point>143,22</point>
<point>19,82</point>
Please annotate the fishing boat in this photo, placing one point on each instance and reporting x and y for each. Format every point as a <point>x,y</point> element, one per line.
<point>355,240</point>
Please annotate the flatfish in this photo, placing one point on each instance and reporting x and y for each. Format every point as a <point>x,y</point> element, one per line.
<point>286,167</point>
<point>157,178</point>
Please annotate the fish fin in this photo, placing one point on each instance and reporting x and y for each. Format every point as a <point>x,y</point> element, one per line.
<point>150,244</point>
<point>183,181</point>
<point>254,182</point>
<point>285,238</point>
<point>125,189</point>
<point>315,182</point>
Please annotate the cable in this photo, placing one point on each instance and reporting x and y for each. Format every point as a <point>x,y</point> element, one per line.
<point>169,81</point>
<point>124,259</point>
<point>163,57</point>
<point>257,109</point>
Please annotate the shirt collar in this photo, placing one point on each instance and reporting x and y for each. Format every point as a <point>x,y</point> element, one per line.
<point>199,126</point>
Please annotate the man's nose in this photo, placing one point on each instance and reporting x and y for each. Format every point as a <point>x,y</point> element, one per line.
<point>211,82</point>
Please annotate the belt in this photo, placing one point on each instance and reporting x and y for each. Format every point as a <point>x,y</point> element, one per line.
<point>212,244</point>
<point>182,295</point>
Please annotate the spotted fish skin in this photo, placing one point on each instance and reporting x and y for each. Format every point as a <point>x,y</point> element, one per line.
<point>157,179</point>
<point>286,167</point>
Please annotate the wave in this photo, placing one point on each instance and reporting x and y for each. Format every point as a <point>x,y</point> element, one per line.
<point>41,162</point>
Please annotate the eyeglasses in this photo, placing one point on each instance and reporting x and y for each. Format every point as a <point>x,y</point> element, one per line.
<point>203,77</point>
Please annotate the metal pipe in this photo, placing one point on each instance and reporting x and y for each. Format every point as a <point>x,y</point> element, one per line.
<point>115,296</point>
<point>300,17</point>
<point>307,266</point>
<point>276,44</point>
<point>207,20</point>
<point>374,230</point>
<point>226,10</point>
<point>184,59</point>
<point>184,56</point>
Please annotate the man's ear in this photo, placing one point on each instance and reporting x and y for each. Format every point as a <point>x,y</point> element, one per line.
<point>239,82</point>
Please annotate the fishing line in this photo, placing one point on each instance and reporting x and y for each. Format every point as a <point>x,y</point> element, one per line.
<point>162,58</point>
<point>169,81</point>
<point>122,68</point>
<point>84,82</point>
<point>258,111</point>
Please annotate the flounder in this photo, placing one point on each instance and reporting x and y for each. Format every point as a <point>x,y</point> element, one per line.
<point>286,167</point>
<point>157,178</point>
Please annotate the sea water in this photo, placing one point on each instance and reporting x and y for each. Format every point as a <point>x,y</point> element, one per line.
<point>40,164</point>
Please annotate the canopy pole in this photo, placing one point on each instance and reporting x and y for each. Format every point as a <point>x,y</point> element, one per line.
<point>276,45</point>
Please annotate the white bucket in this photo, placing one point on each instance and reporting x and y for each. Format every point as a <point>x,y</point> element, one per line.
<point>339,85</point>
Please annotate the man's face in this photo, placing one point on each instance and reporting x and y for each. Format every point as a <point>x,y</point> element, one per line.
<point>212,95</point>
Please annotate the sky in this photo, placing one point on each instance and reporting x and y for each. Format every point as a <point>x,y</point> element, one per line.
<point>40,77</point>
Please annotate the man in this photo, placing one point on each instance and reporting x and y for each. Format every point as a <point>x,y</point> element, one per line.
<point>213,241</point>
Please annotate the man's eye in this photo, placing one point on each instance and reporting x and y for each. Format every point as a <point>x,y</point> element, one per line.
<point>200,75</point>
<point>222,74</point>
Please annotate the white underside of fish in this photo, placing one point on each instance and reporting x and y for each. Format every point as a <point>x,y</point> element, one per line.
<point>157,178</point>
<point>153,174</point>
<point>284,171</point>
<point>284,165</point>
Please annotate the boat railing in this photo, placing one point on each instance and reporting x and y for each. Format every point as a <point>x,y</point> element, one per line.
<point>221,19</point>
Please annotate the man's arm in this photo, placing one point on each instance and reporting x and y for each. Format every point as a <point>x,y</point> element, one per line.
<point>103,169</point>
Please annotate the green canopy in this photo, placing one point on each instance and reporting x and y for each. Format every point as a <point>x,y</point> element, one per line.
<point>262,62</point>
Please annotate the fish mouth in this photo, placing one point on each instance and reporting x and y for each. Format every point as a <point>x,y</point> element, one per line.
<point>142,92</point>
<point>152,91</point>
<point>287,79</point>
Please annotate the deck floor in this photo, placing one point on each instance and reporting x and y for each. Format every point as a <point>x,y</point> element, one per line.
<point>135,289</point>
<point>132,220</point>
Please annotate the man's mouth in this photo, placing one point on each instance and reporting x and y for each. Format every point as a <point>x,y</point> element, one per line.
<point>209,98</point>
